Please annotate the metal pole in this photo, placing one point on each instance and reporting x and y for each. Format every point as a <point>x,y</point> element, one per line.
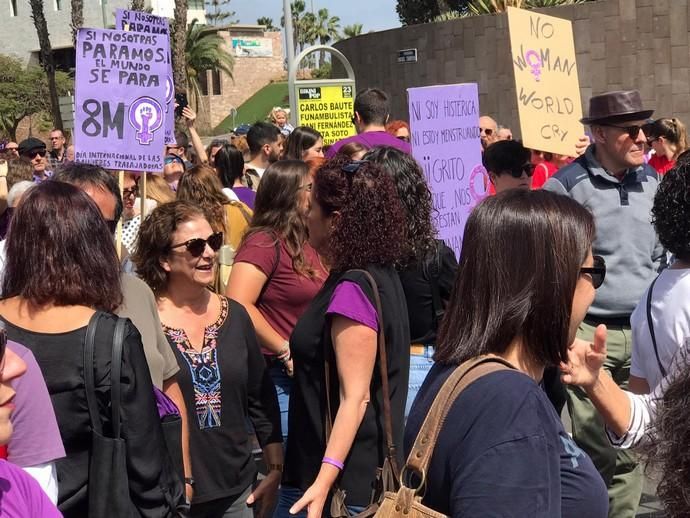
<point>104,13</point>
<point>289,47</point>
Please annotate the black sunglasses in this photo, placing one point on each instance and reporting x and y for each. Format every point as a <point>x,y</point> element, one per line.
<point>597,271</point>
<point>32,154</point>
<point>126,193</point>
<point>516,172</point>
<point>197,245</point>
<point>487,131</point>
<point>404,138</point>
<point>632,131</point>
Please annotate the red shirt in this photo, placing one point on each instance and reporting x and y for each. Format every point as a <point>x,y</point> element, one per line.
<point>542,172</point>
<point>287,293</point>
<point>661,164</point>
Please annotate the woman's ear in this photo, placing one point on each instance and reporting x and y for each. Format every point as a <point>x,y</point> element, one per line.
<point>492,178</point>
<point>163,261</point>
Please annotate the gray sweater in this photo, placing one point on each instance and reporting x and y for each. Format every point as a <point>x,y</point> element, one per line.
<point>625,237</point>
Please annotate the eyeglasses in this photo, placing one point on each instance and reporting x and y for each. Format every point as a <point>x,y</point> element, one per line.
<point>632,131</point>
<point>652,140</point>
<point>353,166</point>
<point>34,153</point>
<point>353,120</point>
<point>126,193</point>
<point>404,138</point>
<point>197,245</point>
<point>517,172</point>
<point>597,271</point>
<point>487,131</point>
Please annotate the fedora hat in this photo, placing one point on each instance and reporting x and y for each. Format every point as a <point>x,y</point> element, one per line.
<point>618,106</point>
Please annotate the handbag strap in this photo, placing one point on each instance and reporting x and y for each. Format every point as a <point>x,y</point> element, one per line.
<point>89,367</point>
<point>651,327</point>
<point>383,370</point>
<point>466,373</point>
<point>115,375</point>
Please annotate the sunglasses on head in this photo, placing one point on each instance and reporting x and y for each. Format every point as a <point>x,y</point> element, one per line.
<point>597,271</point>
<point>517,172</point>
<point>197,245</point>
<point>632,131</point>
<point>34,152</point>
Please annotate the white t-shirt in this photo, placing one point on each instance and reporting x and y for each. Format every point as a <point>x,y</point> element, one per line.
<point>671,321</point>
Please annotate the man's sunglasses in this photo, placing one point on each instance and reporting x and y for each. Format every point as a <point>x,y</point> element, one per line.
<point>517,172</point>
<point>32,154</point>
<point>197,246</point>
<point>126,193</point>
<point>487,131</point>
<point>597,271</point>
<point>632,131</point>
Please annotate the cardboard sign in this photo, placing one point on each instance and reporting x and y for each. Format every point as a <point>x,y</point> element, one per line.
<point>546,83</point>
<point>327,109</point>
<point>146,23</point>
<point>119,107</point>
<point>444,122</point>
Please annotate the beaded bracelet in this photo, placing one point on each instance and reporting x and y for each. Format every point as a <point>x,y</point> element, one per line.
<point>333,462</point>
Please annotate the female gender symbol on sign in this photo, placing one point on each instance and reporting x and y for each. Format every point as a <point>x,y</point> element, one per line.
<point>146,116</point>
<point>535,62</point>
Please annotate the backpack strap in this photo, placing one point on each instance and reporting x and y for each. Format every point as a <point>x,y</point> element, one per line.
<point>463,376</point>
<point>89,376</point>
<point>115,375</point>
<point>650,325</point>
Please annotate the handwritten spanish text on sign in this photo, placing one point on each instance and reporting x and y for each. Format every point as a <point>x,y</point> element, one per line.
<point>444,121</point>
<point>546,83</point>
<point>327,109</point>
<point>119,100</point>
<point>137,21</point>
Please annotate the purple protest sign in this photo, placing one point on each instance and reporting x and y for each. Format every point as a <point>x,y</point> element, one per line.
<point>444,122</point>
<point>118,118</point>
<point>146,23</point>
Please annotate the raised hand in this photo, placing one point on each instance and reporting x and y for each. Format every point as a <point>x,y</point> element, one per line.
<point>585,360</point>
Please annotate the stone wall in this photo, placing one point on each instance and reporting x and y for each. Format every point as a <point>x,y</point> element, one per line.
<point>620,44</point>
<point>250,74</point>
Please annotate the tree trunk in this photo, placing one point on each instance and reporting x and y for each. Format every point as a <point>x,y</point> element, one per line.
<point>137,5</point>
<point>47,61</point>
<point>178,43</point>
<point>77,19</point>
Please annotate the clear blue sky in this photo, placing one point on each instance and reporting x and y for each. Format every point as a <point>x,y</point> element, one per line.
<point>374,14</point>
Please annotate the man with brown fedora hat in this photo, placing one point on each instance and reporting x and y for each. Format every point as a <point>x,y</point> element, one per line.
<point>612,180</point>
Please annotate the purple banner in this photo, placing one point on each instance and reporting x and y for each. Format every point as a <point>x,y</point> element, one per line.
<point>146,23</point>
<point>444,122</point>
<point>119,113</point>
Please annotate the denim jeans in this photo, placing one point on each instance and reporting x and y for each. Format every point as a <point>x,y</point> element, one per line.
<point>283,384</point>
<point>420,365</point>
<point>289,495</point>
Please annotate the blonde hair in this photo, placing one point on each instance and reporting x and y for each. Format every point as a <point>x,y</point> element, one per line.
<point>672,130</point>
<point>158,190</point>
<point>275,111</point>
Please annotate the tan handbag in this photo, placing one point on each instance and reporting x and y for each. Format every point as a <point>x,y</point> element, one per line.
<point>407,502</point>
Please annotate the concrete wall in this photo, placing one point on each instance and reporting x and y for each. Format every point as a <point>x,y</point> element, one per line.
<point>620,44</point>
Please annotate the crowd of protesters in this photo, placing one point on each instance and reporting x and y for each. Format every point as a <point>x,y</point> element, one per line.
<point>280,311</point>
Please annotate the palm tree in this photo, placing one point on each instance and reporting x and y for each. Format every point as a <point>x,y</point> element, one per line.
<point>350,31</point>
<point>266,22</point>
<point>47,61</point>
<point>178,45</point>
<point>77,19</point>
<point>204,51</point>
<point>137,5</point>
<point>324,29</point>
<point>298,7</point>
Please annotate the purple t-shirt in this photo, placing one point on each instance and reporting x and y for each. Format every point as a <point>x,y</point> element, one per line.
<point>36,438</point>
<point>371,139</point>
<point>348,300</point>
<point>21,496</point>
<point>246,196</point>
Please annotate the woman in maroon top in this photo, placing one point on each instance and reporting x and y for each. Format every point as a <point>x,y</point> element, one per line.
<point>276,272</point>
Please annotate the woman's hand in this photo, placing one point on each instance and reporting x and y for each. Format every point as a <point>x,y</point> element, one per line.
<point>314,499</point>
<point>189,116</point>
<point>585,360</point>
<point>265,495</point>
<point>582,144</point>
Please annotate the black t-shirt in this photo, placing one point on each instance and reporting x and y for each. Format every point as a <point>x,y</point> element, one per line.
<point>502,451</point>
<point>306,440</point>
<point>224,386</point>
<point>441,267</point>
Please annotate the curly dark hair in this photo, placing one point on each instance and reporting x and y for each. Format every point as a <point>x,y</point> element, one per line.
<point>415,196</point>
<point>671,211</point>
<point>155,237</point>
<point>371,225</point>
<point>666,448</point>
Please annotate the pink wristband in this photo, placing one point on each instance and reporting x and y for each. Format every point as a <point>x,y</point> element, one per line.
<point>333,462</point>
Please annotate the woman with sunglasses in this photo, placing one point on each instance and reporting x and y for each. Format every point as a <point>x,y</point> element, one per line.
<point>668,138</point>
<point>48,302</point>
<point>502,449</point>
<point>356,221</point>
<point>276,272</point>
<point>509,166</point>
<point>222,374</point>
<point>399,129</point>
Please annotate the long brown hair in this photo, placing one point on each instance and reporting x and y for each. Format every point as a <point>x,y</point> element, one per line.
<point>277,212</point>
<point>201,186</point>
